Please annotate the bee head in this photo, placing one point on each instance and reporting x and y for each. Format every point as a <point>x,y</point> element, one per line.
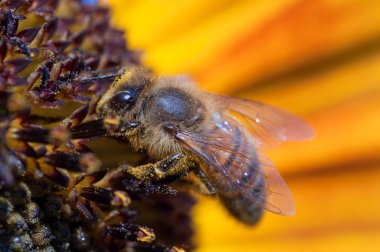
<point>122,96</point>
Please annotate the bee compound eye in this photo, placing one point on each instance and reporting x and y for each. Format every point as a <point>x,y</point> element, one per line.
<point>122,101</point>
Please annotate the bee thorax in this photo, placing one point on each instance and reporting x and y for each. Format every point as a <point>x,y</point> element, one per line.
<point>172,105</point>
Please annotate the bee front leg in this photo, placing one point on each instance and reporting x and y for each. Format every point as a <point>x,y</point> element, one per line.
<point>168,169</point>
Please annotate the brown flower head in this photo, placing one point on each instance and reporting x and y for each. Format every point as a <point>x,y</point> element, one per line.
<point>56,58</point>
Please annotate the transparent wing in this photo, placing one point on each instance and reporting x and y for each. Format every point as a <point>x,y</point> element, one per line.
<point>230,152</point>
<point>269,125</point>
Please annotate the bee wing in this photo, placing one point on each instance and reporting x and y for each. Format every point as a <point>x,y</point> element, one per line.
<point>269,125</point>
<point>233,156</point>
<point>279,198</point>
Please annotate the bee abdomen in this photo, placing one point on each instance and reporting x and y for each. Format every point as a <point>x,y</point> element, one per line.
<point>247,207</point>
<point>244,208</point>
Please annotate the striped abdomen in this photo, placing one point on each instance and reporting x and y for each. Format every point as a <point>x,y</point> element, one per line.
<point>237,175</point>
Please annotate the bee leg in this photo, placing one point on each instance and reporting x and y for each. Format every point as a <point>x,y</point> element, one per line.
<point>203,183</point>
<point>168,169</point>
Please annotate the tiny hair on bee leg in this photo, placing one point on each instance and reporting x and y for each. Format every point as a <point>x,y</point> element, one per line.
<point>168,169</point>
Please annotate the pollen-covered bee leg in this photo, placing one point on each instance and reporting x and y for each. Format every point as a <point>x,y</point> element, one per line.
<point>167,169</point>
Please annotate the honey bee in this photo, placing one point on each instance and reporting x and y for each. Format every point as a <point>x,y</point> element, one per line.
<point>219,138</point>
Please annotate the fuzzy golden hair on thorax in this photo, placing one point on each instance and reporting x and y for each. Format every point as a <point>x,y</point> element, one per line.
<point>192,114</point>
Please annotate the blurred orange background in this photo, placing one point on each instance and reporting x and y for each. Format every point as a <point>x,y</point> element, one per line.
<point>319,59</point>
